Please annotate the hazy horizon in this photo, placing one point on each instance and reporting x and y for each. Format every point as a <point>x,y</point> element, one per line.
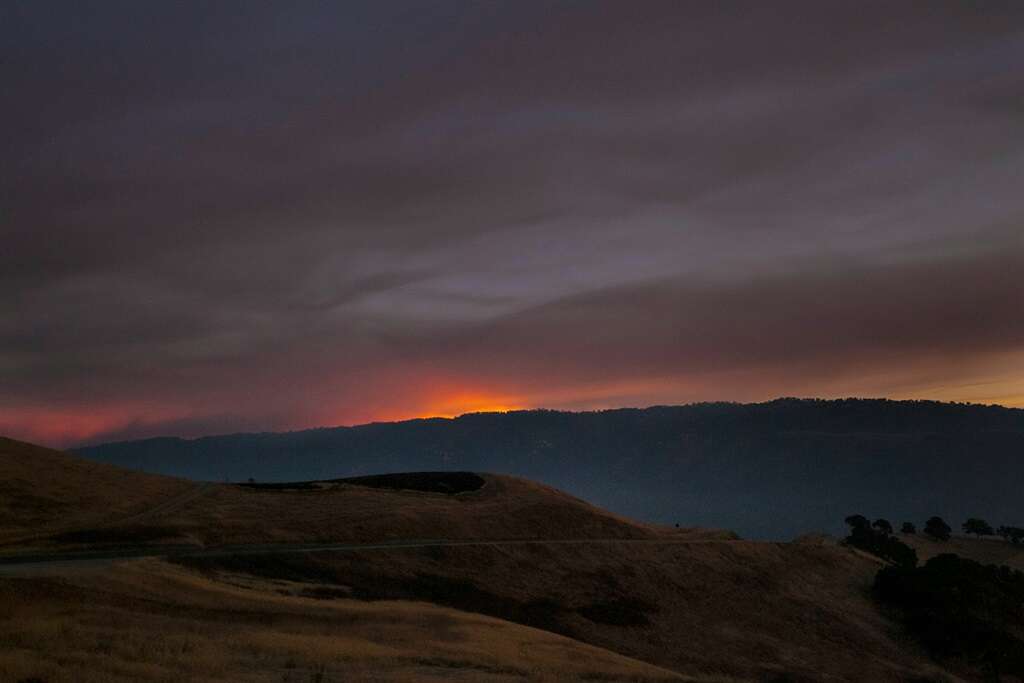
<point>130,435</point>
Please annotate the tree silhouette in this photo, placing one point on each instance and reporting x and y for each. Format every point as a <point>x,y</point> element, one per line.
<point>883,525</point>
<point>908,528</point>
<point>857,522</point>
<point>937,528</point>
<point>978,527</point>
<point>876,539</point>
<point>1013,534</point>
<point>962,609</point>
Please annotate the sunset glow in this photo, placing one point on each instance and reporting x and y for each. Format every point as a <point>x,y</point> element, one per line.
<point>462,404</point>
<point>519,208</point>
<point>403,340</point>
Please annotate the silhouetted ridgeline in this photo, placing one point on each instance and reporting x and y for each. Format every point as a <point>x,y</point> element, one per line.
<point>768,470</point>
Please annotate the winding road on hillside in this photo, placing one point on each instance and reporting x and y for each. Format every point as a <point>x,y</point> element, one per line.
<point>32,563</point>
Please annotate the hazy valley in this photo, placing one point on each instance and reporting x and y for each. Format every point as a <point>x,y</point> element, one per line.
<point>767,471</point>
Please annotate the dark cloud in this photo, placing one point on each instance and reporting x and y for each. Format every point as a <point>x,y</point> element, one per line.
<point>290,213</point>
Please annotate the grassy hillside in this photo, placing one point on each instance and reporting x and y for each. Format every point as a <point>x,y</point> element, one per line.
<point>505,507</point>
<point>43,491</point>
<point>725,610</point>
<point>148,621</point>
<point>698,603</point>
<point>772,470</point>
<point>59,499</point>
<point>984,550</point>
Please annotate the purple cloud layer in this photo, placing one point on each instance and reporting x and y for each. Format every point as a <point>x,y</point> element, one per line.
<point>272,215</point>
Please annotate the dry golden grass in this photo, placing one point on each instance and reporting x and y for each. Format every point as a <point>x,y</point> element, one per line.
<point>984,550</point>
<point>723,610</point>
<point>44,491</point>
<point>710,608</point>
<point>148,621</point>
<point>505,507</point>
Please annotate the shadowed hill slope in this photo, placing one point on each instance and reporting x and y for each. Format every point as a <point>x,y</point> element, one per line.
<point>148,621</point>
<point>770,470</point>
<point>721,610</point>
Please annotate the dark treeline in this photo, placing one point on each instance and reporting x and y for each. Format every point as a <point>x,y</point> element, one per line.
<point>768,470</point>
<point>957,608</point>
<point>878,538</point>
<point>961,609</point>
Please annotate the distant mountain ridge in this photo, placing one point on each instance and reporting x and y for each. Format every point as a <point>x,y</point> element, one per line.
<point>766,470</point>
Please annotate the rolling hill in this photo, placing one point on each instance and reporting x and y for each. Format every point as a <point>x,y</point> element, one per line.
<point>770,471</point>
<point>43,491</point>
<point>553,589</point>
<point>149,621</point>
<point>77,502</point>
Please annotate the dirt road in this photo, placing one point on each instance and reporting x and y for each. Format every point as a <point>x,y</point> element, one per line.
<point>27,564</point>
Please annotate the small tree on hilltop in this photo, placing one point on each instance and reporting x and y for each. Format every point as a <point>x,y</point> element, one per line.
<point>908,528</point>
<point>883,525</point>
<point>937,528</point>
<point>857,522</point>
<point>861,534</point>
<point>877,539</point>
<point>978,527</point>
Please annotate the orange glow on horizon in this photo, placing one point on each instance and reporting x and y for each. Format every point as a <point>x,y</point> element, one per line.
<point>412,396</point>
<point>463,406</point>
<point>70,426</point>
<point>454,405</point>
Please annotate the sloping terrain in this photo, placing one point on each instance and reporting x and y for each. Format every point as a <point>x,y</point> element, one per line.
<point>985,550</point>
<point>796,465</point>
<point>699,603</point>
<point>726,610</point>
<point>45,491</point>
<point>147,621</point>
<point>62,500</point>
<point>503,508</point>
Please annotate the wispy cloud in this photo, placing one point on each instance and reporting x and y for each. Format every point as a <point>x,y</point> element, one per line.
<point>309,213</point>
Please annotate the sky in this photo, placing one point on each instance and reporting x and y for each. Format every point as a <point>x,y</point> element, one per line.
<point>255,216</point>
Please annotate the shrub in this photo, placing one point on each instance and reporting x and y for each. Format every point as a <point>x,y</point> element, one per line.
<point>857,521</point>
<point>1012,534</point>
<point>434,482</point>
<point>937,528</point>
<point>619,612</point>
<point>978,527</point>
<point>908,528</point>
<point>124,535</point>
<point>879,543</point>
<point>883,526</point>
<point>961,608</point>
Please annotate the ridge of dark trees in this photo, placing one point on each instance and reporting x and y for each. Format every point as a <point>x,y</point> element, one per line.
<point>958,609</point>
<point>877,539</point>
<point>961,609</point>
